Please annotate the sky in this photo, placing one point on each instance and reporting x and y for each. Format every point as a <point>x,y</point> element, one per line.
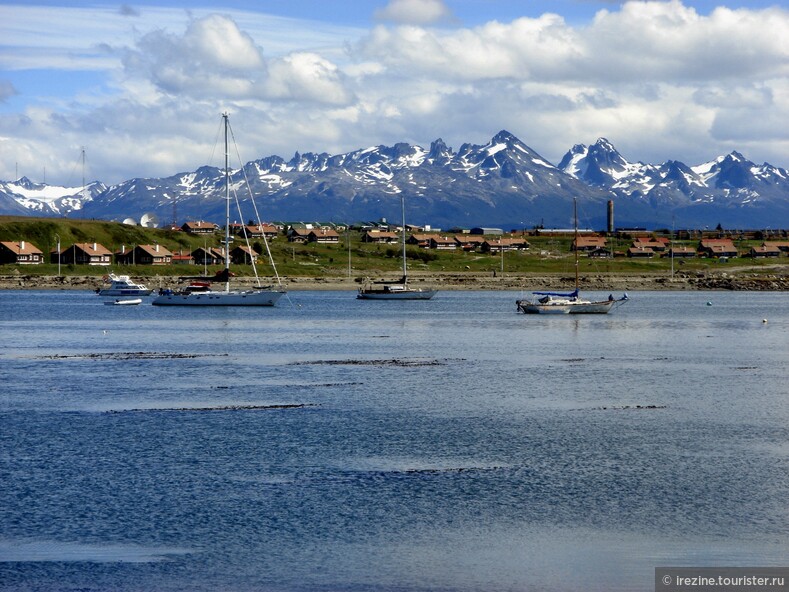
<point>141,86</point>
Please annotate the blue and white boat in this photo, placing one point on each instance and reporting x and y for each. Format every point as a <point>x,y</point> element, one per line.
<point>122,285</point>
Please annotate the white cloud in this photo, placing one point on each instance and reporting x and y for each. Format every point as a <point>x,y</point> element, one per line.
<point>212,58</point>
<point>305,77</point>
<point>417,12</point>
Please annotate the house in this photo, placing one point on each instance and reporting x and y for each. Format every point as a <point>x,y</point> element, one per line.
<point>657,246</point>
<point>380,237</point>
<point>86,254</point>
<point>324,236</point>
<point>258,231</point>
<point>144,255</point>
<point>781,246</point>
<point>599,253</point>
<point>243,255</point>
<point>184,258</point>
<point>203,256</point>
<point>497,245</point>
<point>469,242</point>
<point>680,252</point>
<point>588,243</point>
<point>200,227</point>
<point>717,247</point>
<point>484,231</point>
<point>299,235</point>
<point>764,251</point>
<point>421,239</point>
<point>443,243</point>
<point>640,252</point>
<point>21,253</point>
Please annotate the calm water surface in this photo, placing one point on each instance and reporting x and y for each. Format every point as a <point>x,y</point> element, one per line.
<point>398,446</point>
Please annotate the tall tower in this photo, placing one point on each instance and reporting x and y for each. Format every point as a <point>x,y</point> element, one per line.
<point>610,216</point>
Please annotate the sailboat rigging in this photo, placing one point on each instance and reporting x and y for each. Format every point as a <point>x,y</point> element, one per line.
<point>568,302</point>
<point>201,293</point>
<point>399,290</point>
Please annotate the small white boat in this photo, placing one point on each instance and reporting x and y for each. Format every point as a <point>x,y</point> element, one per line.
<point>124,301</point>
<point>568,303</point>
<point>122,285</point>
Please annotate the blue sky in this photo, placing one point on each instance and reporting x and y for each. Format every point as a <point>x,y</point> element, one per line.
<point>141,85</point>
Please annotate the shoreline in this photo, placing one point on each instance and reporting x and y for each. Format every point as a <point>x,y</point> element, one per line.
<point>455,281</point>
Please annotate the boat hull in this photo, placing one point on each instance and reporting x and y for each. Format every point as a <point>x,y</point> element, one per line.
<point>400,295</point>
<point>592,307</point>
<point>126,302</point>
<point>532,308</point>
<point>235,298</point>
<point>566,307</point>
<point>125,292</point>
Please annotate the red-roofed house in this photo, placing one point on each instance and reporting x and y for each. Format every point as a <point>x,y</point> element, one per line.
<point>144,255</point>
<point>20,252</point>
<point>323,235</point>
<point>86,254</point>
<point>200,227</point>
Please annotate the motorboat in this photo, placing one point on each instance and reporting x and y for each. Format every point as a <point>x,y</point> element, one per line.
<point>122,285</point>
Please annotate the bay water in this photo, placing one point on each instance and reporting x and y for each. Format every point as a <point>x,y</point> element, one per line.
<point>335,444</point>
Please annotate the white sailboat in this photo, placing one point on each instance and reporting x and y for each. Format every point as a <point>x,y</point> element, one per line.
<point>207,295</point>
<point>568,302</point>
<point>399,290</point>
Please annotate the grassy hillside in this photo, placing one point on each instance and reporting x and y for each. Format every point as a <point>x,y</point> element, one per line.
<point>546,255</point>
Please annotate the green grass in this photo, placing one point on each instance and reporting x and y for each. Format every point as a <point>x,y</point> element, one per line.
<point>547,255</point>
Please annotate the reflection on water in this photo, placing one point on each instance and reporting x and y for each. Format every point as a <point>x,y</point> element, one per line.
<point>344,445</point>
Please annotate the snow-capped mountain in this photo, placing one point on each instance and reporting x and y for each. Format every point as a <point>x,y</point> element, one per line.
<point>23,197</point>
<point>730,189</point>
<point>503,183</point>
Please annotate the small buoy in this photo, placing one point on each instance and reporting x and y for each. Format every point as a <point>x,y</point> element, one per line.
<point>709,302</point>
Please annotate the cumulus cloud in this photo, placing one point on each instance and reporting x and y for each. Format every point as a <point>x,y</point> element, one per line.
<point>641,42</point>
<point>213,57</point>
<point>305,77</point>
<point>417,12</point>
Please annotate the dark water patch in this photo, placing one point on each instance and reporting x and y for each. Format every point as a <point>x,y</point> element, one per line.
<point>626,408</point>
<point>220,408</point>
<point>402,362</point>
<point>128,356</point>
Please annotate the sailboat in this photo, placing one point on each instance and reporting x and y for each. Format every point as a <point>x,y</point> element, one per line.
<point>206,295</point>
<point>568,302</point>
<point>399,290</point>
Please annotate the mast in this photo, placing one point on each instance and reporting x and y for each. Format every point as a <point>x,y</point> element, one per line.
<point>227,208</point>
<point>575,216</point>
<point>83,171</point>
<point>405,271</point>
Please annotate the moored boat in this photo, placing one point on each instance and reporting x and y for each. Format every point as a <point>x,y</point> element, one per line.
<point>393,291</point>
<point>202,293</point>
<point>122,285</point>
<point>399,290</point>
<point>124,302</point>
<point>568,302</point>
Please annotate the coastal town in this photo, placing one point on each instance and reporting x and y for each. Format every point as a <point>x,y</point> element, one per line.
<point>631,243</point>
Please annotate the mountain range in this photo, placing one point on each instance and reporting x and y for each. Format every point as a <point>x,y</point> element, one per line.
<point>503,183</point>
